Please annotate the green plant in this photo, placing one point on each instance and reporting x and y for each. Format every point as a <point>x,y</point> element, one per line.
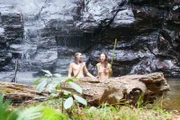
<point>30,113</point>
<point>51,82</point>
<point>51,114</point>
<point>5,113</point>
<point>139,101</point>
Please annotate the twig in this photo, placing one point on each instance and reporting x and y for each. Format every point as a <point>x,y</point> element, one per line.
<point>115,44</point>
<point>16,69</point>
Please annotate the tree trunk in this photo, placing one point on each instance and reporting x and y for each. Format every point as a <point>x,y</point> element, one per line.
<point>19,93</point>
<point>125,89</point>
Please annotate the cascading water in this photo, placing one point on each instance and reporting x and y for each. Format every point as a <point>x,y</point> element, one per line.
<point>49,40</point>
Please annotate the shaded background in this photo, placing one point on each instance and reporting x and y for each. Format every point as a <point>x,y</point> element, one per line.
<point>45,34</point>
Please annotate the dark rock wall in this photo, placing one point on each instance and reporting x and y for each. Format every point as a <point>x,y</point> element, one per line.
<point>46,33</point>
<point>148,43</point>
<point>11,34</point>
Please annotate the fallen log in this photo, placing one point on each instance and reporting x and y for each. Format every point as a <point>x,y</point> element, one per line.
<point>19,93</point>
<point>125,89</point>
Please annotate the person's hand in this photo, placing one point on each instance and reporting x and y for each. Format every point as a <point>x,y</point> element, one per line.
<point>94,77</point>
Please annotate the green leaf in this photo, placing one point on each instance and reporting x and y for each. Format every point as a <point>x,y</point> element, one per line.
<point>4,109</point>
<point>66,92</point>
<point>48,75</point>
<point>75,87</point>
<point>69,80</point>
<point>53,95</point>
<point>30,113</point>
<point>80,99</point>
<point>52,114</point>
<point>68,103</point>
<point>13,116</point>
<point>52,85</point>
<point>41,86</point>
<point>57,75</point>
<point>37,80</point>
<point>47,71</point>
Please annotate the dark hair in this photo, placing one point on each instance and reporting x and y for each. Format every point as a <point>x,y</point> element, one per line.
<point>106,59</point>
<point>75,57</point>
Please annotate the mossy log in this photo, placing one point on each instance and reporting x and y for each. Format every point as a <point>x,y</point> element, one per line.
<point>19,93</point>
<point>125,89</point>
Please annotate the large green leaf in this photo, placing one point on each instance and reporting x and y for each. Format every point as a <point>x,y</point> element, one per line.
<point>51,86</point>
<point>13,116</point>
<point>31,113</point>
<point>57,75</point>
<point>4,109</point>
<point>69,80</point>
<point>37,80</point>
<point>41,86</point>
<point>51,114</point>
<point>80,99</point>
<point>48,72</point>
<point>66,92</point>
<point>68,103</point>
<point>75,87</point>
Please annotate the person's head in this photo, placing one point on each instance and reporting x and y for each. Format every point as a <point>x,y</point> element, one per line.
<point>78,57</point>
<point>103,58</point>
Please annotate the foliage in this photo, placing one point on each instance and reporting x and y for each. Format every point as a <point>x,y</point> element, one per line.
<point>52,114</point>
<point>104,112</point>
<point>51,82</point>
<point>109,112</point>
<point>38,112</point>
<point>5,113</point>
<point>30,113</point>
<point>68,103</point>
<point>112,58</point>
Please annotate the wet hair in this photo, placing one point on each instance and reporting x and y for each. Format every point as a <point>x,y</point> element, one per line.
<point>106,58</point>
<point>75,57</point>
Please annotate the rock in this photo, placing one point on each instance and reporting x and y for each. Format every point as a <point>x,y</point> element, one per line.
<point>11,33</point>
<point>147,32</point>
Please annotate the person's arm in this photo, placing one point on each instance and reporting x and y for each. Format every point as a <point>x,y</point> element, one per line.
<point>99,71</point>
<point>70,71</point>
<point>86,71</point>
<point>97,68</point>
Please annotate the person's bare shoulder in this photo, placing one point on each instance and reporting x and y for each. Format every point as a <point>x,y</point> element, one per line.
<point>71,64</point>
<point>83,63</point>
<point>97,64</point>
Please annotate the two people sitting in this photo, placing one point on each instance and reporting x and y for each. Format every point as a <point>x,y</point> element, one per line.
<point>78,67</point>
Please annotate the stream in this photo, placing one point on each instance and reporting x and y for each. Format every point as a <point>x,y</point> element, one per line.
<point>172,101</point>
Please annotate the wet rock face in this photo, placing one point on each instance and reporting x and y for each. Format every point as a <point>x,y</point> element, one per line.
<point>11,34</point>
<point>150,44</point>
<point>45,34</point>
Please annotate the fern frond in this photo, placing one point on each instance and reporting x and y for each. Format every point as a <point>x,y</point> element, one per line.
<point>30,113</point>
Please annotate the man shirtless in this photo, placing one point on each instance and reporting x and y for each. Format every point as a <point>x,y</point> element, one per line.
<point>103,67</point>
<point>78,68</point>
